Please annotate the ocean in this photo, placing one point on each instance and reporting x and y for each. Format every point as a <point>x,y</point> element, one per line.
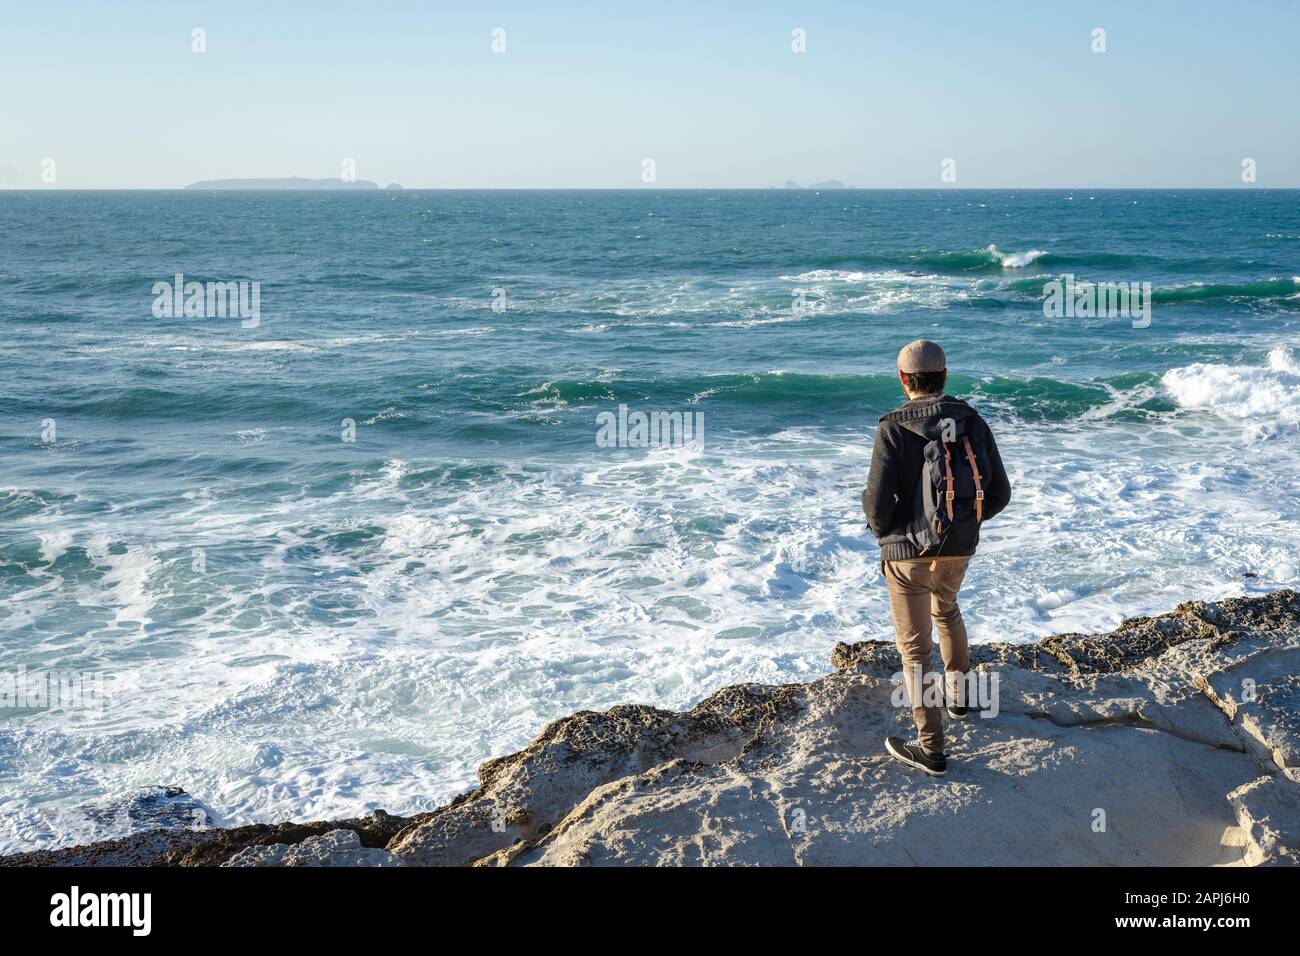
<point>332,556</point>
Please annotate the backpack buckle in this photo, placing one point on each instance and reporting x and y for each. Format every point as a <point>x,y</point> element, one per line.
<point>979,496</point>
<point>950,495</point>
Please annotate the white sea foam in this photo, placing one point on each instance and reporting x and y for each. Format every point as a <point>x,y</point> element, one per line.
<point>126,574</point>
<point>1267,394</point>
<point>841,275</point>
<point>479,607</point>
<point>270,347</point>
<point>1015,260</point>
<point>742,303</point>
<point>54,544</point>
<point>483,607</point>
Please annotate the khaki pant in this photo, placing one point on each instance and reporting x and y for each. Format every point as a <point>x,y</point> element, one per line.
<point>917,594</point>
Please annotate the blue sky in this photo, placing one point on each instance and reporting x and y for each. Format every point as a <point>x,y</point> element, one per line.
<point>712,92</point>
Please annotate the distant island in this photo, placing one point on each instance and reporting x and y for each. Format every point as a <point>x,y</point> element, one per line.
<point>289,182</point>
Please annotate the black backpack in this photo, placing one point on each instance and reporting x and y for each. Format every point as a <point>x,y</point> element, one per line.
<point>949,502</point>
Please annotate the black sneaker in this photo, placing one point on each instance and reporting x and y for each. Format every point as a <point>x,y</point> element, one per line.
<point>955,710</point>
<point>913,754</point>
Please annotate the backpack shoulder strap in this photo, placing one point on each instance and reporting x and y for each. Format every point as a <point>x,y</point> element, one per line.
<point>947,472</point>
<point>975,471</point>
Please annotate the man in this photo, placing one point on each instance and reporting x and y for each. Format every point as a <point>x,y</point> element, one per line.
<point>936,476</point>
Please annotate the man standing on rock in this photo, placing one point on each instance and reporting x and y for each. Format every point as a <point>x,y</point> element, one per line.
<point>936,476</point>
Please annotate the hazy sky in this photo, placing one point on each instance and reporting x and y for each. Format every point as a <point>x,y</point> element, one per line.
<point>712,92</point>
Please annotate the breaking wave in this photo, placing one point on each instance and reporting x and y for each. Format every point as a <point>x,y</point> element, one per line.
<point>1263,394</point>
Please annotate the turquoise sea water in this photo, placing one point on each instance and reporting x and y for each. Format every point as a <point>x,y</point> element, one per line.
<point>290,624</point>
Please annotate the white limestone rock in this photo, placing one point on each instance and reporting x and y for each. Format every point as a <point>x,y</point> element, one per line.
<point>335,848</point>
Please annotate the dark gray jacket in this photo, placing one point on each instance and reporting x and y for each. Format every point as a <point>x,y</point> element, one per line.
<point>896,463</point>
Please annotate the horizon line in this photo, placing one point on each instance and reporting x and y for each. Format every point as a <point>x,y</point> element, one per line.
<point>648,188</point>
